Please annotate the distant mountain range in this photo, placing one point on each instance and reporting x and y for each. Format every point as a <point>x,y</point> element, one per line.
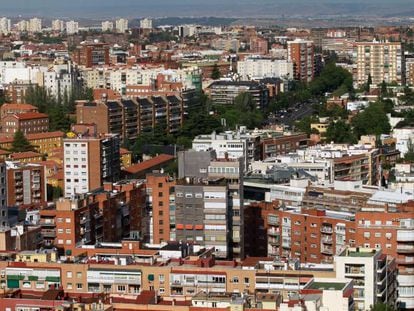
<point>196,8</point>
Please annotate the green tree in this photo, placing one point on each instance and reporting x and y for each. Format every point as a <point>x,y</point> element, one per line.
<point>368,84</point>
<point>215,74</point>
<point>340,132</point>
<point>409,155</point>
<point>371,121</point>
<point>380,306</point>
<point>20,143</point>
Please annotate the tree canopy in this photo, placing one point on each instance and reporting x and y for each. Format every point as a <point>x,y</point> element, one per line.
<point>373,120</point>
<point>20,143</point>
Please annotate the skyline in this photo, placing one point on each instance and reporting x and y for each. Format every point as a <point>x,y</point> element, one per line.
<point>197,8</point>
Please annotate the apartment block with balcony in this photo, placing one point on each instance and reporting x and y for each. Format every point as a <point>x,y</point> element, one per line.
<point>26,184</point>
<point>89,161</point>
<point>383,61</point>
<point>301,53</point>
<point>373,273</point>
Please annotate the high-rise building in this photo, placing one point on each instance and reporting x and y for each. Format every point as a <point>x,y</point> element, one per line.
<point>22,26</point>
<point>107,26</point>
<point>89,161</point>
<point>5,25</point>
<point>26,184</point>
<point>4,215</point>
<point>121,25</point>
<point>382,61</point>
<point>209,202</point>
<point>58,25</point>
<point>160,191</point>
<point>72,27</point>
<point>145,23</point>
<point>35,25</point>
<point>301,54</point>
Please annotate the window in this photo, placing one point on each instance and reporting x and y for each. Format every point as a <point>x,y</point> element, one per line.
<point>79,275</point>
<point>79,285</point>
<point>68,231</point>
<point>121,288</point>
<point>69,274</point>
<point>377,234</point>
<point>161,278</point>
<point>246,281</point>
<point>68,220</point>
<point>235,279</point>
<point>160,185</point>
<point>160,213</point>
<point>69,286</point>
<point>160,194</point>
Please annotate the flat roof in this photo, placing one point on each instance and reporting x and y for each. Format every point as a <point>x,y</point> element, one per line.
<point>327,285</point>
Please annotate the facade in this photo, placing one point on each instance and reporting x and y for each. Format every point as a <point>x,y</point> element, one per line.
<point>121,25</point>
<point>28,123</point>
<point>212,187</point>
<point>301,53</point>
<point>89,162</point>
<point>160,192</point>
<point>72,27</point>
<point>373,274</point>
<point>283,144</point>
<point>259,68</point>
<point>145,23</point>
<point>383,61</point>
<point>26,184</point>
<point>129,118</point>
<point>4,213</point>
<point>91,54</point>
<point>224,92</point>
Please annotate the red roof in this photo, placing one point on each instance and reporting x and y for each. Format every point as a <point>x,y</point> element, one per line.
<point>13,106</point>
<point>145,165</point>
<point>31,115</point>
<point>45,135</point>
<point>24,155</point>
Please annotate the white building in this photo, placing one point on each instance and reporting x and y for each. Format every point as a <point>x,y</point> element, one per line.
<point>145,23</point>
<point>58,25</point>
<point>22,26</point>
<point>370,270</point>
<point>258,68</point>
<point>107,26</point>
<point>404,137</point>
<point>35,25</point>
<point>121,25</point>
<point>72,27</point>
<point>5,26</point>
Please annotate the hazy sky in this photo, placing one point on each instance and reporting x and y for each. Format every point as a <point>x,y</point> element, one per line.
<point>222,8</point>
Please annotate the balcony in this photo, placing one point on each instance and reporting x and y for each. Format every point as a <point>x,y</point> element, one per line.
<point>405,261</point>
<point>326,229</point>
<point>406,249</point>
<point>405,235</point>
<point>49,233</point>
<point>405,279</point>
<point>327,251</point>
<point>273,232</point>
<point>327,240</point>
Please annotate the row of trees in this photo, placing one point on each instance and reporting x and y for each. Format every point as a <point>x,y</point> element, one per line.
<point>58,109</point>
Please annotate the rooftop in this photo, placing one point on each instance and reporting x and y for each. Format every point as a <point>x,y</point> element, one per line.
<point>327,286</point>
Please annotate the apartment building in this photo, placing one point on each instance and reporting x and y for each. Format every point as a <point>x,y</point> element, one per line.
<point>301,53</point>
<point>11,109</point>
<point>89,162</point>
<point>283,144</point>
<point>26,184</point>
<point>232,145</point>
<point>160,192</point>
<point>224,92</point>
<point>129,118</point>
<point>91,54</point>
<point>213,187</point>
<point>373,274</point>
<point>28,123</point>
<point>383,61</point>
<point>108,214</point>
<point>259,68</point>
<point>4,213</point>
<point>121,25</point>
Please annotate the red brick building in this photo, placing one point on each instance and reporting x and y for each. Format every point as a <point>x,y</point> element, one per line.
<point>28,123</point>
